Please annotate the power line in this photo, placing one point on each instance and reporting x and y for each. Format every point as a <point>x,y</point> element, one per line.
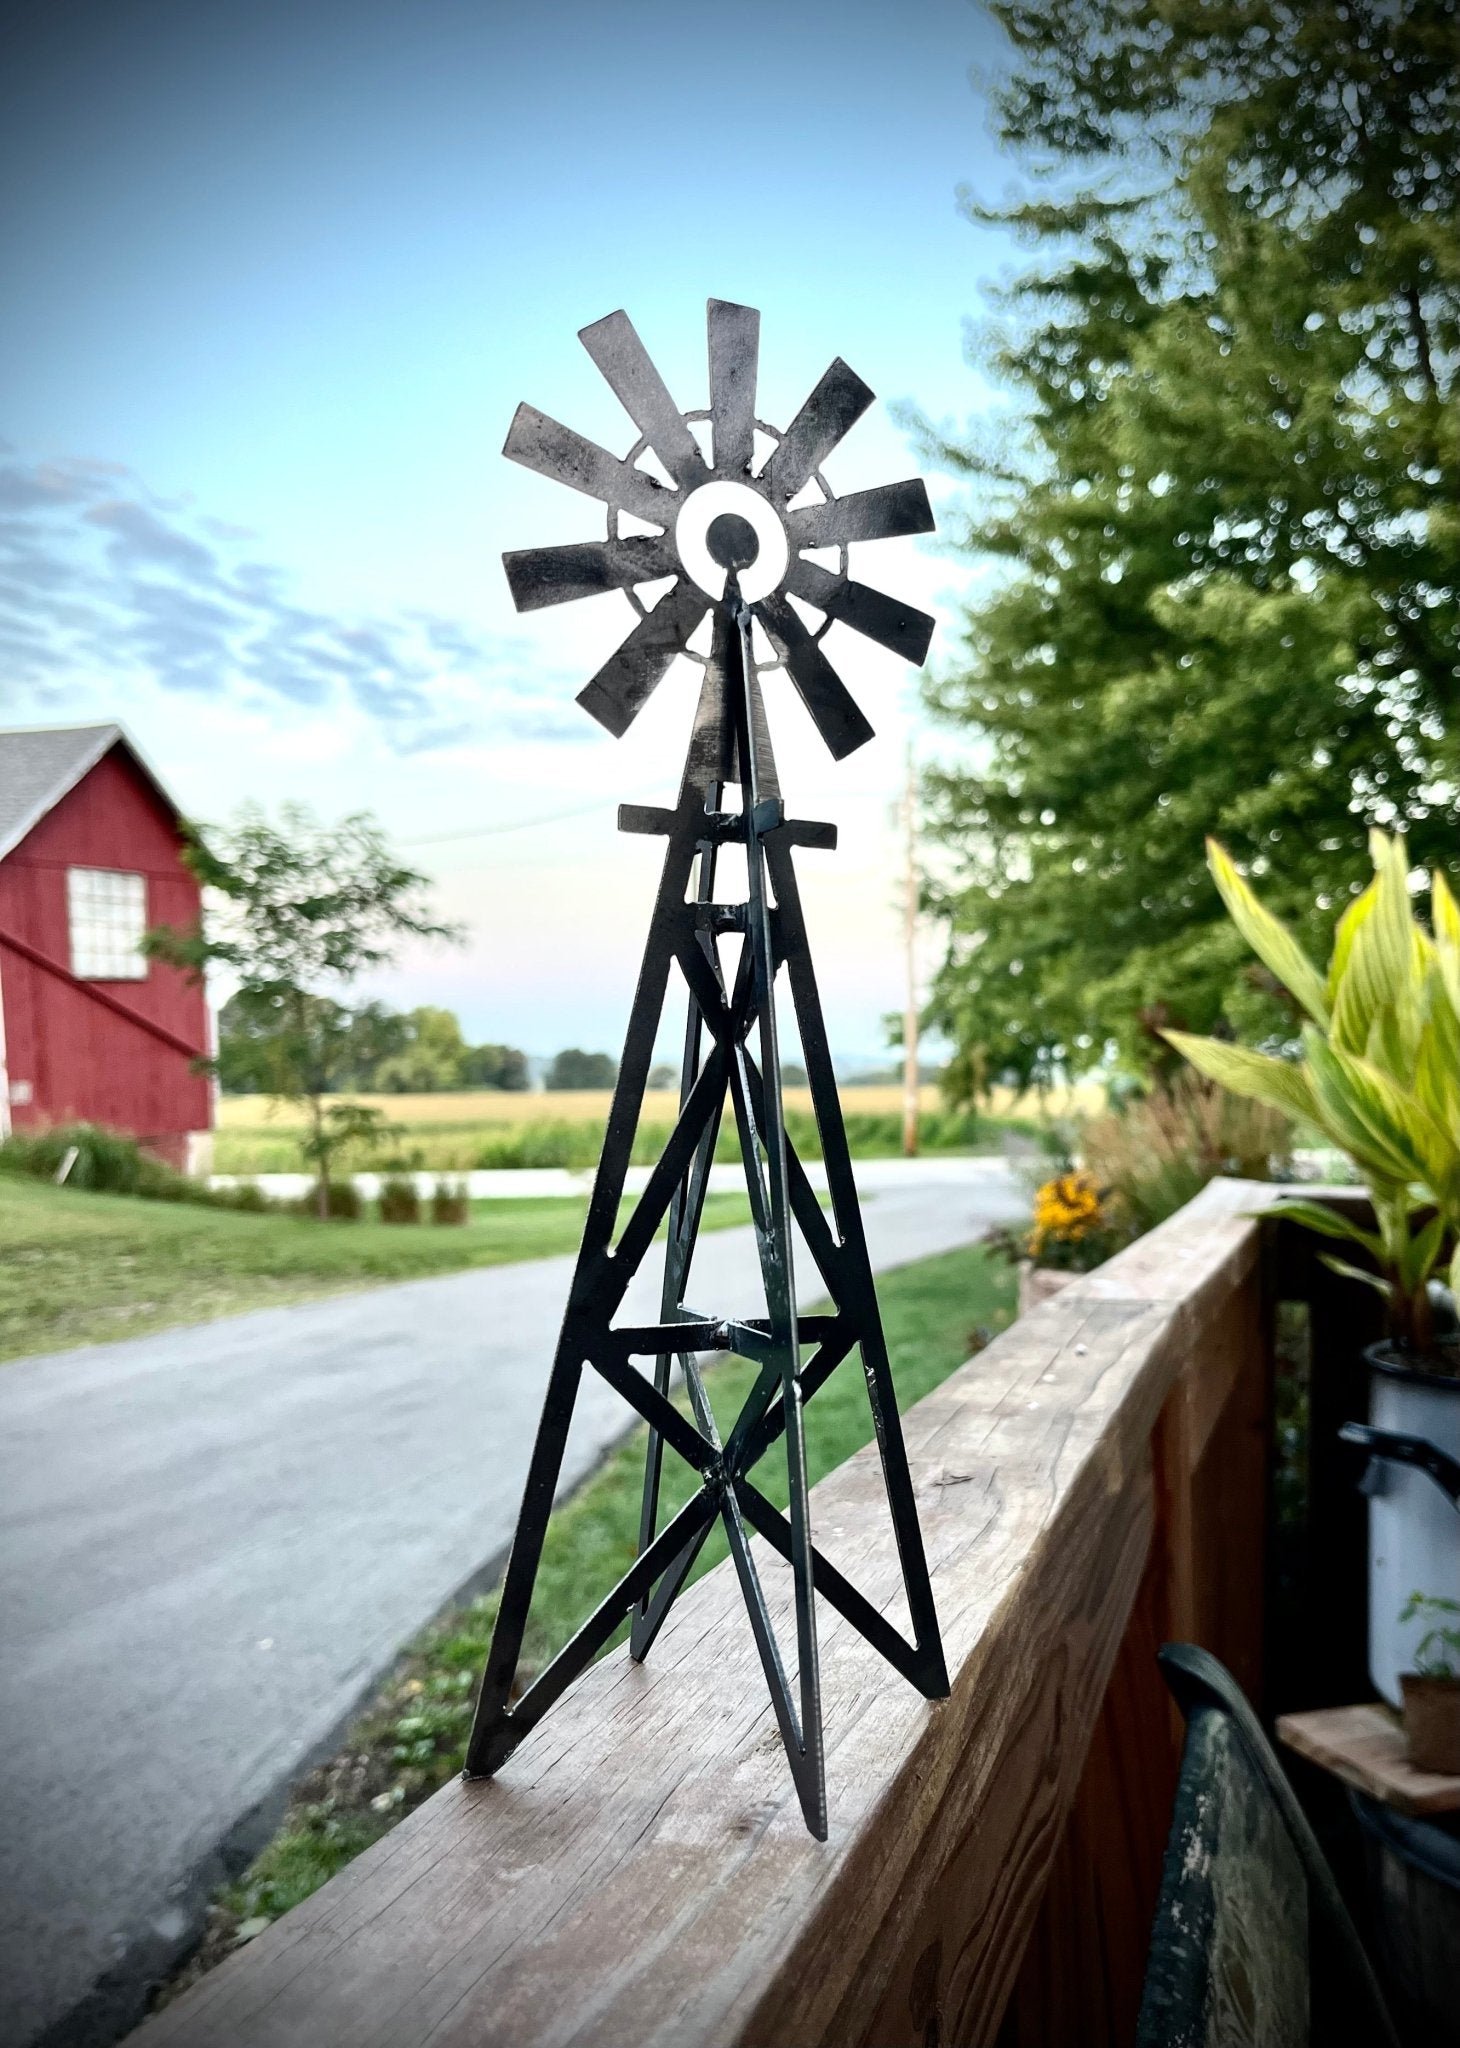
<point>515,825</point>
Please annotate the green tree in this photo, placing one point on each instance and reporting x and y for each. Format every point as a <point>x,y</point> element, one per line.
<point>574,1069</point>
<point>295,912</point>
<point>495,1066</point>
<point>433,1056</point>
<point>376,1034</point>
<point>351,1044</point>
<point>1224,533</point>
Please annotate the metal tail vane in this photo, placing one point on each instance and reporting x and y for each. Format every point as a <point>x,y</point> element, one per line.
<point>735,544</point>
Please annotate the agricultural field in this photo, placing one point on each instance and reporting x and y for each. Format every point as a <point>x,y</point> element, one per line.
<point>482,1128</point>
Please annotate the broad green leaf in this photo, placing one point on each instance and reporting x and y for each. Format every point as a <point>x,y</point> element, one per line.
<point>1421,1254</point>
<point>1445,916</point>
<point>1376,1004</point>
<point>1349,1272</point>
<point>1328,1223</point>
<point>1353,1000</point>
<point>1388,1123</point>
<point>1276,1082</point>
<point>1268,936</point>
<point>1437,1058</point>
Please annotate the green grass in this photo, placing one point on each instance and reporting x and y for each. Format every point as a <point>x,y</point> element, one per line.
<point>79,1268</point>
<point>412,1736</point>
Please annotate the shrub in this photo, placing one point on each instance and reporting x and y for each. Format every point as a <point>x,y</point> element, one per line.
<point>399,1202</point>
<point>449,1203</point>
<point>112,1163</point>
<point>107,1162</point>
<point>342,1202</point>
<point>1159,1150</point>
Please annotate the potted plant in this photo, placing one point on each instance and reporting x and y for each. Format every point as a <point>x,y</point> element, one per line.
<point>1379,1078</point>
<point>1432,1688</point>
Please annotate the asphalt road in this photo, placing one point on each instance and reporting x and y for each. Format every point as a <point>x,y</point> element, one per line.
<point>212,1541</point>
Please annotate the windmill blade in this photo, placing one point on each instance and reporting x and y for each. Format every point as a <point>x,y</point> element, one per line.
<point>618,693</point>
<point>881,514</point>
<point>836,404</point>
<point>542,576</point>
<point>615,346</point>
<point>821,689</point>
<point>555,451</point>
<point>887,620</point>
<point>733,333</point>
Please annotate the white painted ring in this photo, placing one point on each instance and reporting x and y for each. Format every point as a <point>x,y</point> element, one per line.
<point>765,573</point>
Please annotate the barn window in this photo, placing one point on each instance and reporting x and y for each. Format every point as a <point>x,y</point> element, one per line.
<point>108,917</point>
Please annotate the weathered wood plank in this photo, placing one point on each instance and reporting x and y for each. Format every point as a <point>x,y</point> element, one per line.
<point>1365,1747</point>
<point>1080,1982</point>
<point>1083,1968</point>
<point>639,1873</point>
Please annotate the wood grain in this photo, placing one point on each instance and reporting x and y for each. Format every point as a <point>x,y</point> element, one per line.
<point>1365,1747</point>
<point>639,1874</point>
<point>1084,1965</point>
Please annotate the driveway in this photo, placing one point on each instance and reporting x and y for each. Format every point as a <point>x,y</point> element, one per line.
<point>213,1540</point>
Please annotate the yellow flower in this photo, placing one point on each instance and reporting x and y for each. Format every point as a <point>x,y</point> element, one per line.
<point>1066,1208</point>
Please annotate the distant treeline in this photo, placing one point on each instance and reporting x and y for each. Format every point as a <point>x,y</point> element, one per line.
<point>374,1050</point>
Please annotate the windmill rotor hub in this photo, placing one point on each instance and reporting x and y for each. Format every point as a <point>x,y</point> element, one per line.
<point>732,541</point>
<point>749,538</point>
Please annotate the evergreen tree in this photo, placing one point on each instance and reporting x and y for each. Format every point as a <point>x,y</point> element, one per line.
<point>1228,525</point>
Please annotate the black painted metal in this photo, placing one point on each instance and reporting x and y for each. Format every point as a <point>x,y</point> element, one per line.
<point>731,1054</point>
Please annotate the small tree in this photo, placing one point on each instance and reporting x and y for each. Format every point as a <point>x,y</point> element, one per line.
<point>296,910</point>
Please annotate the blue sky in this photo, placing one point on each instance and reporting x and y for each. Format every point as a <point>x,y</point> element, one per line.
<point>277,276</point>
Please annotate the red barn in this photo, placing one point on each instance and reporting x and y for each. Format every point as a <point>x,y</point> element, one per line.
<point>90,857</point>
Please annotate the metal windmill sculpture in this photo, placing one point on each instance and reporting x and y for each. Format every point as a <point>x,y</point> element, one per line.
<point>731,534</point>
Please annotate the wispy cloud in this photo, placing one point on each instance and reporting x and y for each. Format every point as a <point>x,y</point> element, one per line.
<point>97,573</point>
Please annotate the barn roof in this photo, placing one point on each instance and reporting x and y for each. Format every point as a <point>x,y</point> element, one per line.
<point>39,764</point>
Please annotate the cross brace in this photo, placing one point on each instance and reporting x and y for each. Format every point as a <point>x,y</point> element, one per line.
<point>727,1009</point>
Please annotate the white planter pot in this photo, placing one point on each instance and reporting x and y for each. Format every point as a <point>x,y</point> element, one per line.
<point>1414,1525</point>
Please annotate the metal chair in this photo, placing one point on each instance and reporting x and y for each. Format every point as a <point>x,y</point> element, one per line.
<point>1252,1943</point>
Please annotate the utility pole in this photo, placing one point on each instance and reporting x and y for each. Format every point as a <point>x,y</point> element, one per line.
<point>910,958</point>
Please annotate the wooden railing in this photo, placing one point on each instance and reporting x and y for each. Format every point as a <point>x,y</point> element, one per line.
<point>1090,1485</point>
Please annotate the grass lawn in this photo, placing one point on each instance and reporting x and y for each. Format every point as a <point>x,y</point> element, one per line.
<point>78,1268</point>
<point>412,1736</point>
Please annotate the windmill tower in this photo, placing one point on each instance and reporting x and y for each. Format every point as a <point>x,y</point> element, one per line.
<point>728,531</point>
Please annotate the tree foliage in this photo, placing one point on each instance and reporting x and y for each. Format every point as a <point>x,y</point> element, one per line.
<point>370,1049</point>
<point>1225,535</point>
<point>296,912</point>
<point>575,1069</point>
